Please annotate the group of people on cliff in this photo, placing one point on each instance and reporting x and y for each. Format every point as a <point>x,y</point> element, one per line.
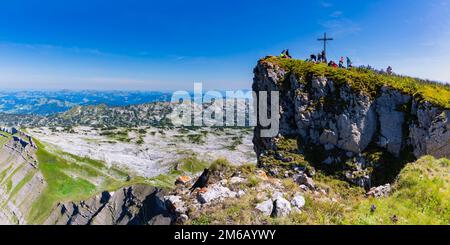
<point>321,58</point>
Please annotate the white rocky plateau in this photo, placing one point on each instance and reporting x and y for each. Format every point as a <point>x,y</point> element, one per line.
<point>160,147</point>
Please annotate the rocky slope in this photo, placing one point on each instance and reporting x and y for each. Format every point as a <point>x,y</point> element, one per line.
<point>340,124</point>
<point>247,195</point>
<point>35,184</point>
<point>136,205</point>
<point>20,181</point>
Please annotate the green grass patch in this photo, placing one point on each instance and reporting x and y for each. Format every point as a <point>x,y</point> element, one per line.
<point>235,142</point>
<point>421,196</point>
<point>22,183</point>
<point>9,182</point>
<point>193,165</point>
<point>62,185</point>
<point>202,220</point>
<point>119,135</point>
<point>5,172</point>
<point>96,167</point>
<point>9,185</point>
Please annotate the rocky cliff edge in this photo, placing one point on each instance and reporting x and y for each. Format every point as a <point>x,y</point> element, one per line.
<point>354,121</point>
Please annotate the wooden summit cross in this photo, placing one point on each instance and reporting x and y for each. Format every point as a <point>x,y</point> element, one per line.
<point>325,39</point>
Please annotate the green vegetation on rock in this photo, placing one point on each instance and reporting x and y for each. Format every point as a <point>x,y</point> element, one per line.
<point>70,178</point>
<point>193,164</point>
<point>366,80</point>
<point>419,196</point>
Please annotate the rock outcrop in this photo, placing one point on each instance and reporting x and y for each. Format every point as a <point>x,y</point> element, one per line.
<point>21,183</point>
<point>135,205</point>
<point>340,123</point>
<point>215,192</point>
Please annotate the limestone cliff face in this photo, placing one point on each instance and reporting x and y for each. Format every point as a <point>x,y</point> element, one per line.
<point>342,123</point>
<point>20,181</point>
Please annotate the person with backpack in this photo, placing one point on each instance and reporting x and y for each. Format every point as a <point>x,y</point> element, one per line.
<point>324,57</point>
<point>341,62</point>
<point>349,63</point>
<point>389,70</point>
<point>285,54</point>
<point>288,55</point>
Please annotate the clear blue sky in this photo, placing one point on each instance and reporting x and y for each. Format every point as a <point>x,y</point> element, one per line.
<point>168,45</point>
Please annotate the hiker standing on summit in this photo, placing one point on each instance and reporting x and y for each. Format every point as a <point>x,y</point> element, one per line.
<point>324,57</point>
<point>349,63</point>
<point>341,62</point>
<point>389,70</point>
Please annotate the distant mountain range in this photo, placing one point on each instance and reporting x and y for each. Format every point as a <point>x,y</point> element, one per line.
<point>43,103</point>
<point>147,114</point>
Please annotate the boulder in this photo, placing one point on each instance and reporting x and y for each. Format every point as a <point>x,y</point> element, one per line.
<point>214,193</point>
<point>183,180</point>
<point>175,204</point>
<point>183,218</point>
<point>304,188</point>
<point>282,207</point>
<point>303,179</point>
<point>380,191</point>
<point>265,207</point>
<point>298,201</point>
<point>276,195</point>
<point>237,180</point>
<point>240,193</point>
<point>261,174</point>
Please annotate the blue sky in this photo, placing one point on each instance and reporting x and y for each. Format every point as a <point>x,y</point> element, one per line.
<point>168,45</point>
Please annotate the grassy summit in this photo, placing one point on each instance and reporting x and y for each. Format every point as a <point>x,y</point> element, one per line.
<point>367,80</point>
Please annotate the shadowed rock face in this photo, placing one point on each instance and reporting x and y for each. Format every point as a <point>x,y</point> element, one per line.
<point>135,205</point>
<point>342,122</point>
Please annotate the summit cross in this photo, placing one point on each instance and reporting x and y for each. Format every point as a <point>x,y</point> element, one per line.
<point>325,39</point>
